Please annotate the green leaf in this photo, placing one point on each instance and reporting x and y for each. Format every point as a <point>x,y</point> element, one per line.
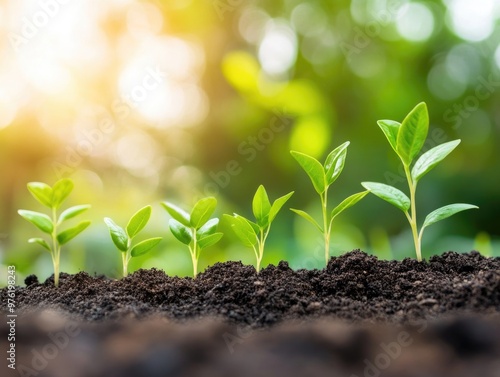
<point>431,158</point>
<point>40,220</point>
<point>41,242</point>
<point>334,163</point>
<point>118,235</point>
<point>308,217</point>
<point>61,191</point>
<point>145,246</point>
<point>210,240</point>
<point>390,128</point>
<point>445,212</point>
<point>255,227</point>
<point>41,192</point>
<point>72,212</point>
<point>261,207</point>
<point>138,221</point>
<point>180,231</point>
<point>412,133</point>
<point>71,233</point>
<point>242,229</point>
<point>348,202</point>
<point>209,228</point>
<point>277,205</point>
<point>389,194</point>
<point>177,213</point>
<point>202,211</point>
<point>313,169</point>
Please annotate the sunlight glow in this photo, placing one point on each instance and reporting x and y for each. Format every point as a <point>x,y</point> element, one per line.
<point>415,22</point>
<point>278,49</point>
<point>472,20</point>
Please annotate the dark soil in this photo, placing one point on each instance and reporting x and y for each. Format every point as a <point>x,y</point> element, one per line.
<point>355,286</point>
<point>345,320</point>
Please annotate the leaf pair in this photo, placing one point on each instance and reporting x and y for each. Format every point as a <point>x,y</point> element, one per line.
<point>123,238</point>
<point>407,140</point>
<point>255,233</point>
<point>322,177</point>
<point>53,197</point>
<point>197,229</point>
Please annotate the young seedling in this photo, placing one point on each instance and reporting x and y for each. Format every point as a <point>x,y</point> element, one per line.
<point>322,177</point>
<point>407,139</point>
<point>123,238</point>
<point>254,234</point>
<point>196,230</point>
<point>53,197</point>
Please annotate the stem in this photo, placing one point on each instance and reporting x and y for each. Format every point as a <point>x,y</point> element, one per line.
<point>413,217</point>
<point>257,257</point>
<point>56,249</point>
<point>262,241</point>
<point>125,263</point>
<point>194,252</point>
<point>326,228</point>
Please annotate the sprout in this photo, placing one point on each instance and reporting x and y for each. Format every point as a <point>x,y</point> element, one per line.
<point>407,140</point>
<point>53,197</point>
<point>123,239</point>
<point>196,230</point>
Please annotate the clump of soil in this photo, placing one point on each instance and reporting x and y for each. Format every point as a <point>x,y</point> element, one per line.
<point>354,286</point>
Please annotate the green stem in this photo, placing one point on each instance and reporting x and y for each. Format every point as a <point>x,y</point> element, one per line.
<point>257,253</point>
<point>194,254</point>
<point>413,217</point>
<point>261,242</point>
<point>56,248</point>
<point>125,263</point>
<point>326,228</point>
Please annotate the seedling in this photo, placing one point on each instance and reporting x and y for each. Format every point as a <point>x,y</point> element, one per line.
<point>123,238</point>
<point>53,197</point>
<point>322,177</point>
<point>254,234</point>
<point>407,139</point>
<point>196,230</point>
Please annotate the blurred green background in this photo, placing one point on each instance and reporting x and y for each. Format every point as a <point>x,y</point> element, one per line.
<point>144,101</point>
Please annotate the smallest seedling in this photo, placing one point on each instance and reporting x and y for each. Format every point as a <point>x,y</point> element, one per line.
<point>254,234</point>
<point>123,239</point>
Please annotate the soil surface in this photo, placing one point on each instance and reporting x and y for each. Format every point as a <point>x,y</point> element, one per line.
<point>354,286</point>
<point>358,317</point>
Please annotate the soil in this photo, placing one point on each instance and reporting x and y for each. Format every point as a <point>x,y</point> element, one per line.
<point>360,316</point>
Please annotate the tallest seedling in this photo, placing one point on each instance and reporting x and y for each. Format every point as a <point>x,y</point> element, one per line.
<point>407,140</point>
